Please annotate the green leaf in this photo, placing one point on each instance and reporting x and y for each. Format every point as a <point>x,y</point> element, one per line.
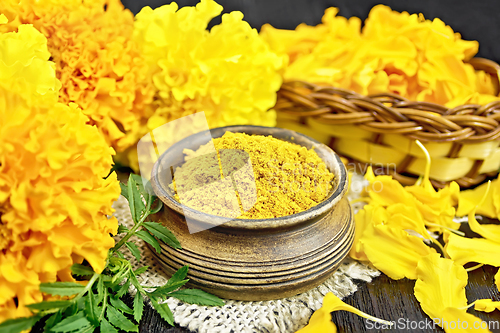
<point>131,190</point>
<point>197,296</point>
<point>146,236</point>
<point>138,306</point>
<point>61,288</point>
<point>52,320</point>
<point>124,190</point>
<point>141,270</point>
<point>134,250</point>
<point>18,324</point>
<point>122,229</point>
<point>117,319</point>
<point>81,270</point>
<point>179,275</point>
<point>91,308</point>
<point>46,305</point>
<point>157,208</point>
<point>120,255</point>
<point>163,310</point>
<point>106,327</point>
<point>135,182</point>
<point>167,288</point>
<point>163,233</point>
<point>123,289</point>
<point>118,304</point>
<point>72,323</point>
<point>100,289</point>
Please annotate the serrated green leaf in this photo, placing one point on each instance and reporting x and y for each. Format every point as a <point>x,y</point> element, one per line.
<point>46,305</point>
<point>155,208</point>
<point>61,288</point>
<point>138,306</point>
<point>72,323</point>
<point>100,289</point>
<point>131,200</point>
<point>106,327</point>
<point>123,289</point>
<point>163,310</point>
<point>118,319</point>
<point>179,275</point>
<point>70,310</point>
<point>167,288</point>
<point>120,255</point>
<point>196,296</point>
<point>52,320</point>
<point>163,233</point>
<point>146,236</point>
<point>141,270</point>
<point>134,250</point>
<point>18,325</point>
<point>81,270</point>
<point>118,304</point>
<point>135,182</point>
<point>91,308</point>
<point>122,229</point>
<point>124,189</point>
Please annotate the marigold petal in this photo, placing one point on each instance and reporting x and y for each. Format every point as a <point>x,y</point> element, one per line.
<point>486,305</point>
<point>464,250</point>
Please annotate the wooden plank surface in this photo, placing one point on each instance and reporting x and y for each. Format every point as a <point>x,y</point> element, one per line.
<point>383,298</point>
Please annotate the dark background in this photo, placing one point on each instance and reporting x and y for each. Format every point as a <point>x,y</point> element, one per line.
<point>475,20</point>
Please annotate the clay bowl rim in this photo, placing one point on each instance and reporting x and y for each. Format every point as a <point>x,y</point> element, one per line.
<point>323,207</point>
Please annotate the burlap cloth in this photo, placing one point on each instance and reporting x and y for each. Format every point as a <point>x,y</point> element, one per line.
<point>282,315</point>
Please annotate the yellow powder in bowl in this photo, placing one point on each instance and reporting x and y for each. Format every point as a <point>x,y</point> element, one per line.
<point>284,178</point>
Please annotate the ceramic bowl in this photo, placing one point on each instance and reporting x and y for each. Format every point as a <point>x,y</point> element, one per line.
<point>258,259</point>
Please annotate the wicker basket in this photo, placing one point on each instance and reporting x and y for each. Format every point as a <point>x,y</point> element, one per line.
<point>381,130</point>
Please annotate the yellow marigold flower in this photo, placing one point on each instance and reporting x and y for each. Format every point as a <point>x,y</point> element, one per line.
<point>440,289</point>
<point>97,63</point>
<point>486,305</point>
<point>228,72</point>
<point>321,320</point>
<point>54,201</point>
<point>395,52</point>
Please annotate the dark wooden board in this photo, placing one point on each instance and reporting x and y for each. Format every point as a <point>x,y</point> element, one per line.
<point>383,298</point>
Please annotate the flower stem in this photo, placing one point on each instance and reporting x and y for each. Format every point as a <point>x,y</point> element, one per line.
<point>132,231</point>
<point>87,287</point>
<point>470,269</point>
<point>460,233</point>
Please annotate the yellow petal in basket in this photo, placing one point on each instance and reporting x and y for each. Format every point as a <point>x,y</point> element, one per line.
<point>321,320</point>
<point>486,305</point>
<point>464,250</point>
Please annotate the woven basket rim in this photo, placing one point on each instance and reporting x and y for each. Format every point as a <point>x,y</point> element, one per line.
<point>389,113</point>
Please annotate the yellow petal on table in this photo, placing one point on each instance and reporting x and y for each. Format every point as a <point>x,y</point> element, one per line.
<point>407,218</point>
<point>321,320</point>
<point>386,191</point>
<point>469,199</point>
<point>457,320</point>
<point>370,214</point>
<point>437,207</point>
<point>486,305</point>
<point>440,284</point>
<point>464,250</point>
<point>394,251</point>
<point>488,231</point>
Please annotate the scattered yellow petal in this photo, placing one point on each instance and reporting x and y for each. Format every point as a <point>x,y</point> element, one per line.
<point>400,253</point>
<point>321,320</point>
<point>497,279</point>
<point>488,231</point>
<point>457,320</point>
<point>469,199</point>
<point>440,284</point>
<point>486,305</point>
<point>463,250</point>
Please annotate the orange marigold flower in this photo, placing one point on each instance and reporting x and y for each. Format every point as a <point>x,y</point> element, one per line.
<point>98,64</point>
<point>54,201</point>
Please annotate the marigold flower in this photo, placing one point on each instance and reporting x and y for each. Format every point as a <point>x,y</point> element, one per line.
<point>395,52</point>
<point>229,72</point>
<point>98,64</point>
<point>54,201</point>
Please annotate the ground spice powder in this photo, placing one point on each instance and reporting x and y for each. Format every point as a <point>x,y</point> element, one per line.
<point>284,178</point>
